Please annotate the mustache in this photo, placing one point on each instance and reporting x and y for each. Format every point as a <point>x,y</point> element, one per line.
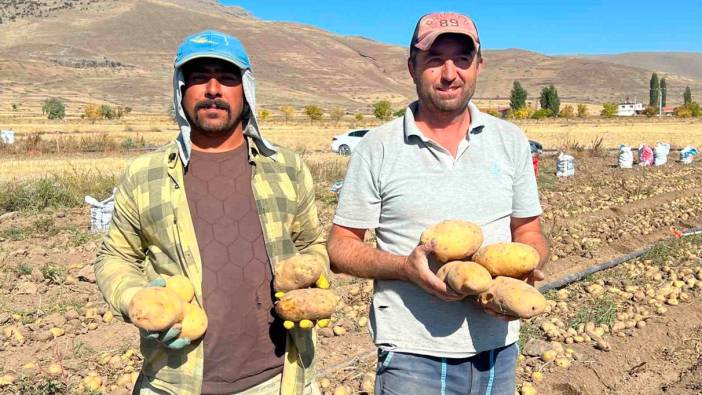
<point>217,103</point>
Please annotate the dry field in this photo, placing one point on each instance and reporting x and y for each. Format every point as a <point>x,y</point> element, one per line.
<point>634,328</point>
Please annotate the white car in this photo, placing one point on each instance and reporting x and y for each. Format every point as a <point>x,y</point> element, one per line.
<point>345,143</point>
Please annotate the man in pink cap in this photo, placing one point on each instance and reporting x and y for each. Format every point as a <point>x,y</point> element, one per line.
<point>443,159</point>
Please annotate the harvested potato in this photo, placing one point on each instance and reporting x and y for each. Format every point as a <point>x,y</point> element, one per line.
<point>155,308</point>
<point>466,278</point>
<point>181,285</point>
<point>528,389</point>
<point>297,272</point>
<point>513,297</point>
<point>194,322</point>
<point>307,304</point>
<point>454,239</point>
<point>92,383</point>
<point>514,260</point>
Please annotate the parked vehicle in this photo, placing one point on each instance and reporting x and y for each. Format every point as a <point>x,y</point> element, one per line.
<point>346,142</point>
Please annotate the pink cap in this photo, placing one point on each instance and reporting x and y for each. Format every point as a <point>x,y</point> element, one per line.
<point>430,26</point>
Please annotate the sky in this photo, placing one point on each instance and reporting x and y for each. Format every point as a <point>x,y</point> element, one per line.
<point>550,27</point>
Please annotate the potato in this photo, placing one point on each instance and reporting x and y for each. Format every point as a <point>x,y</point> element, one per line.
<point>466,278</point>
<point>513,297</point>
<point>514,260</point>
<point>297,272</point>
<point>155,308</point>
<point>455,239</point>
<point>92,383</point>
<point>194,322</point>
<point>307,304</point>
<point>182,286</point>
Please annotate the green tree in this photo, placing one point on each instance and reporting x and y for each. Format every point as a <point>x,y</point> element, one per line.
<point>14,107</point>
<point>549,100</point>
<point>382,110</point>
<point>518,96</point>
<point>691,109</point>
<point>336,115</point>
<point>399,113</point>
<point>288,112</point>
<point>695,109</point>
<point>664,91</point>
<point>106,112</point>
<point>53,108</point>
<point>314,113</point>
<point>582,111</point>
<point>542,113</point>
<point>609,110</point>
<point>653,90</point>
<point>687,96</point>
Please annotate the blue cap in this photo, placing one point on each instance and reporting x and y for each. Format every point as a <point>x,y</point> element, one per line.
<point>212,44</point>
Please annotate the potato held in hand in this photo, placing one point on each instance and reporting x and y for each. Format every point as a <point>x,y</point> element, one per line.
<point>307,304</point>
<point>194,322</point>
<point>182,286</point>
<point>512,297</point>
<point>297,272</point>
<point>514,260</point>
<point>466,278</point>
<point>155,309</point>
<point>455,239</point>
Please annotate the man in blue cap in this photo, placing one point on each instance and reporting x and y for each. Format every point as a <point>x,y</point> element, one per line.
<point>225,208</point>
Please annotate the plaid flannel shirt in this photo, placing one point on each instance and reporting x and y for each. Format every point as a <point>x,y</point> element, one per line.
<point>152,234</point>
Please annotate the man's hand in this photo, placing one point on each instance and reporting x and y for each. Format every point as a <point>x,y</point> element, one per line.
<point>169,337</point>
<point>416,270</point>
<point>534,276</point>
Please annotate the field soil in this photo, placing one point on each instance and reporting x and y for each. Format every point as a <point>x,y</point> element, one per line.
<point>57,332</point>
<point>665,358</point>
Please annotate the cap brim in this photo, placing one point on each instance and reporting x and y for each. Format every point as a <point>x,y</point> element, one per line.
<point>429,39</point>
<point>210,55</point>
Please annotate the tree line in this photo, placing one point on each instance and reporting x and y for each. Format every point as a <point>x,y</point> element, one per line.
<point>54,108</point>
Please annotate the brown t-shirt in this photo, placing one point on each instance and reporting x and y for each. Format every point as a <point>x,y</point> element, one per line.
<point>243,347</point>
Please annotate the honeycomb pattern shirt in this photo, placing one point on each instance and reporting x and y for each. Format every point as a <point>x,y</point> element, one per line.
<point>242,346</point>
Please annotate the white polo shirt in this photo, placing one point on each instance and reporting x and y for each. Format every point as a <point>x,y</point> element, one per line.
<point>399,182</point>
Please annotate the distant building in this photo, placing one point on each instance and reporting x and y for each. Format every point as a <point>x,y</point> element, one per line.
<point>668,110</point>
<point>629,108</point>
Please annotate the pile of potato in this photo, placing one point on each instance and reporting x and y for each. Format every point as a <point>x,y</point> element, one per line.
<point>633,294</point>
<point>492,274</point>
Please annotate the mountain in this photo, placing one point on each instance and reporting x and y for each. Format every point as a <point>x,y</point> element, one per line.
<point>121,52</point>
<point>686,64</point>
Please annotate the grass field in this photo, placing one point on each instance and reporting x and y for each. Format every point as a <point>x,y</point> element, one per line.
<point>310,140</point>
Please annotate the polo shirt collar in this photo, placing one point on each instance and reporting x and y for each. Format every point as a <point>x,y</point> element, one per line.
<point>477,123</point>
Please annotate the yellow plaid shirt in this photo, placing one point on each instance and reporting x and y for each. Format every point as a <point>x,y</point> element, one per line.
<point>152,234</point>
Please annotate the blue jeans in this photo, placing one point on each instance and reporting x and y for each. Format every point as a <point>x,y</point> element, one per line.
<point>490,372</point>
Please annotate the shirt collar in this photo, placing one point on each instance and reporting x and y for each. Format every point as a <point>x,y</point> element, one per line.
<point>477,122</point>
